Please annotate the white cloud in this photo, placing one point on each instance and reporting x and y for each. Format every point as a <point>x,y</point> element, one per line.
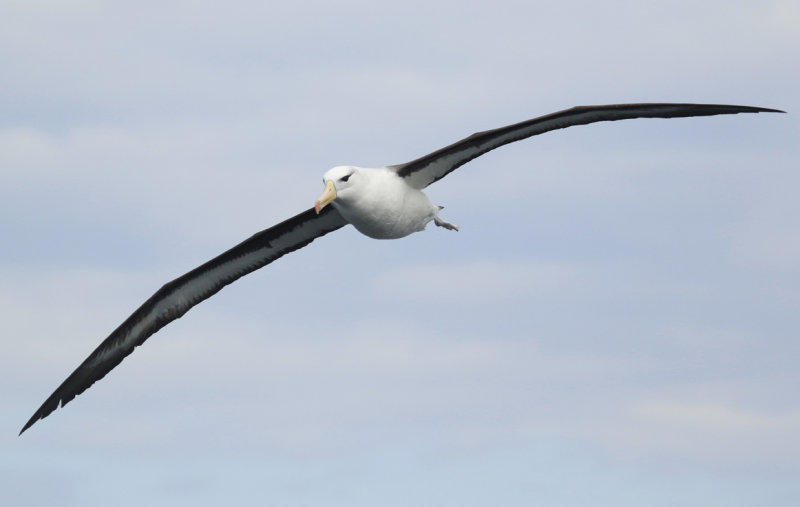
<point>716,418</point>
<point>474,282</point>
<point>784,18</point>
<point>709,432</point>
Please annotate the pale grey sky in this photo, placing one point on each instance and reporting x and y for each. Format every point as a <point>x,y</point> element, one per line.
<point>615,324</point>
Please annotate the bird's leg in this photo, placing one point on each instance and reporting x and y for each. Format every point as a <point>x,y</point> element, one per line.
<point>444,223</point>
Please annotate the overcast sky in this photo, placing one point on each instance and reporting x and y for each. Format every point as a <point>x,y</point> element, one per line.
<point>615,324</point>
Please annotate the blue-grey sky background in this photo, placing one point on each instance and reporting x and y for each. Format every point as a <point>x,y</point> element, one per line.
<point>616,323</point>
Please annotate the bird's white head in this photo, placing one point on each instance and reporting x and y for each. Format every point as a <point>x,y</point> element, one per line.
<point>339,181</point>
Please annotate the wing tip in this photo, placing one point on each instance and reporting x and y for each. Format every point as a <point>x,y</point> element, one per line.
<point>726,108</point>
<point>27,425</point>
<point>43,412</point>
<point>770,110</point>
<point>754,109</point>
<point>709,108</point>
<point>74,385</point>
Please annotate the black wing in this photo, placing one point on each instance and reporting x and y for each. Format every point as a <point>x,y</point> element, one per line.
<point>180,295</point>
<point>425,170</point>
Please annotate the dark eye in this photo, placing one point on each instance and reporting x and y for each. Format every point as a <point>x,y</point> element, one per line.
<point>345,178</point>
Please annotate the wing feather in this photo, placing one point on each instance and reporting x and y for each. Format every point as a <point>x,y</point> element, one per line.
<point>178,296</point>
<point>423,171</point>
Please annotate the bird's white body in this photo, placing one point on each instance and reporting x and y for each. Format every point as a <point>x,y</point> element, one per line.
<point>381,204</point>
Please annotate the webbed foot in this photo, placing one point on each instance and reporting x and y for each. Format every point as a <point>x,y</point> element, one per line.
<point>444,223</point>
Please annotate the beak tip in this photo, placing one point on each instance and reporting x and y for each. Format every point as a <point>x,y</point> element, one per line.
<point>327,196</point>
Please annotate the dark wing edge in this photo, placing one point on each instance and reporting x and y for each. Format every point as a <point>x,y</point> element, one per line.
<point>425,170</point>
<point>177,297</point>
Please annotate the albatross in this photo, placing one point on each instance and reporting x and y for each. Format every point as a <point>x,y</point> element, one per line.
<point>382,203</point>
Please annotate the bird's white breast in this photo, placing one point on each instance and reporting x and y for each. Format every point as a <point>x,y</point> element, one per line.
<point>383,206</point>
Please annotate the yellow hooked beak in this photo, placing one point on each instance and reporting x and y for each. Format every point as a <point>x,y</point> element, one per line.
<point>327,196</point>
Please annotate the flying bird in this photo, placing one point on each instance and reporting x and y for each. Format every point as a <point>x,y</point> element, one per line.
<point>382,203</point>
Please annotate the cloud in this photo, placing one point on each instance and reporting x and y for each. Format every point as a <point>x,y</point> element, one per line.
<point>474,282</point>
<point>784,17</point>
<point>716,418</point>
<point>710,432</point>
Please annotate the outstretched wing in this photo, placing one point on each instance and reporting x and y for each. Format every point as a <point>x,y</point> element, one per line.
<point>425,170</point>
<point>180,295</point>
